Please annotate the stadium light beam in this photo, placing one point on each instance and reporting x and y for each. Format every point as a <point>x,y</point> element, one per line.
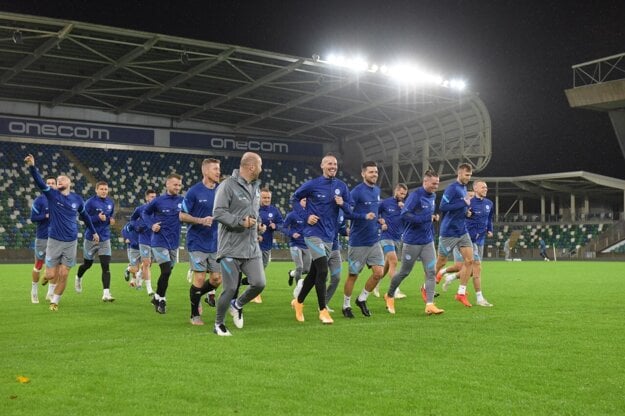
<point>402,73</point>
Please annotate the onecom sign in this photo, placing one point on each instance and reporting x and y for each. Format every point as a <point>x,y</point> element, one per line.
<point>63,130</point>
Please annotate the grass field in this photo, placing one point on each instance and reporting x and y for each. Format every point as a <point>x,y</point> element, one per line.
<point>553,344</point>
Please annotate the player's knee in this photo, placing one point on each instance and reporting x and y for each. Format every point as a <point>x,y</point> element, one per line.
<point>215,279</point>
<point>105,262</point>
<point>321,265</point>
<point>165,269</point>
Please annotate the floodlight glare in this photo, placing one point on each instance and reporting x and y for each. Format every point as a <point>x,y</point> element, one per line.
<point>457,84</point>
<point>402,73</point>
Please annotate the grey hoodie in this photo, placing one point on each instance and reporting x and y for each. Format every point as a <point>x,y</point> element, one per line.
<point>236,199</point>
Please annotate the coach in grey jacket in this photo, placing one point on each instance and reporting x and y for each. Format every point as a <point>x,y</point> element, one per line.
<point>236,209</point>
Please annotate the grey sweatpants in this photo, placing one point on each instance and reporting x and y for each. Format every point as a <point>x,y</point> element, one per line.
<point>409,255</point>
<point>231,269</point>
<point>334,267</point>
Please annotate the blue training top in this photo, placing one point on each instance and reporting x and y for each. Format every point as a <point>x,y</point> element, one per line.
<point>164,209</point>
<point>481,220</point>
<point>455,211</point>
<point>144,232</point>
<point>129,233</point>
<point>63,211</point>
<point>268,215</point>
<point>294,224</point>
<point>364,232</point>
<point>40,214</point>
<point>94,206</point>
<point>417,217</point>
<point>391,213</point>
<point>320,193</point>
<point>199,202</point>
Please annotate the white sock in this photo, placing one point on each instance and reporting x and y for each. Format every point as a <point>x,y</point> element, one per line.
<point>479,295</point>
<point>347,300</point>
<point>443,270</point>
<point>139,274</point>
<point>148,286</point>
<point>56,299</point>
<point>462,290</point>
<point>34,288</point>
<point>451,277</point>
<point>51,288</point>
<point>291,273</point>
<point>107,293</point>
<point>363,295</point>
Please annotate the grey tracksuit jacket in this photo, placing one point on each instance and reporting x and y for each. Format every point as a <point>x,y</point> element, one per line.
<point>235,199</point>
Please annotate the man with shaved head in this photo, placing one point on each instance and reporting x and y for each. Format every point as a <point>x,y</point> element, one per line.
<point>64,206</point>
<point>236,208</point>
<point>479,226</point>
<point>325,196</point>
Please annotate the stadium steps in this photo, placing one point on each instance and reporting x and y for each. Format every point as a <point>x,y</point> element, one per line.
<point>80,166</point>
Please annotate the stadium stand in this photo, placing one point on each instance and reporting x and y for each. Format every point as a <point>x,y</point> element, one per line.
<point>128,175</point>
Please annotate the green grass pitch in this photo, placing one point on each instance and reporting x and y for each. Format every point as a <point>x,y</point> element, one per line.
<point>554,343</point>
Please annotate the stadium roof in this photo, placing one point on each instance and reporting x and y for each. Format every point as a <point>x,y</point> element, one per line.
<point>582,184</point>
<point>242,91</point>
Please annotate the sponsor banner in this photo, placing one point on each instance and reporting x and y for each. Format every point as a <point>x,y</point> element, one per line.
<point>260,145</point>
<point>22,127</point>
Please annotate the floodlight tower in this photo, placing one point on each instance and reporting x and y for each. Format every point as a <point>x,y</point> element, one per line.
<point>599,85</point>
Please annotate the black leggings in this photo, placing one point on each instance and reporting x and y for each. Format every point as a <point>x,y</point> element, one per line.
<point>316,277</point>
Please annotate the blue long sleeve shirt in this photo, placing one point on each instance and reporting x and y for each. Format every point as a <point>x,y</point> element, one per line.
<point>268,215</point>
<point>63,211</point>
<point>40,215</point>
<point>481,220</point>
<point>199,202</point>
<point>130,234</point>
<point>454,211</point>
<point>94,206</point>
<point>417,217</point>
<point>164,209</point>
<point>144,232</point>
<point>319,194</point>
<point>364,232</point>
<point>342,230</point>
<point>390,211</point>
<point>294,224</point>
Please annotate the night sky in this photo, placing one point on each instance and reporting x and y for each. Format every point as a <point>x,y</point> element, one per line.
<point>516,54</point>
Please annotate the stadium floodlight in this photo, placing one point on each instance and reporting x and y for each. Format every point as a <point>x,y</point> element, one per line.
<point>457,84</point>
<point>355,64</point>
<point>403,73</point>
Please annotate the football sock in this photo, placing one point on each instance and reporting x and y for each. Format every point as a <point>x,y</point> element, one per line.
<point>195,295</point>
<point>462,290</point>
<point>347,300</point>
